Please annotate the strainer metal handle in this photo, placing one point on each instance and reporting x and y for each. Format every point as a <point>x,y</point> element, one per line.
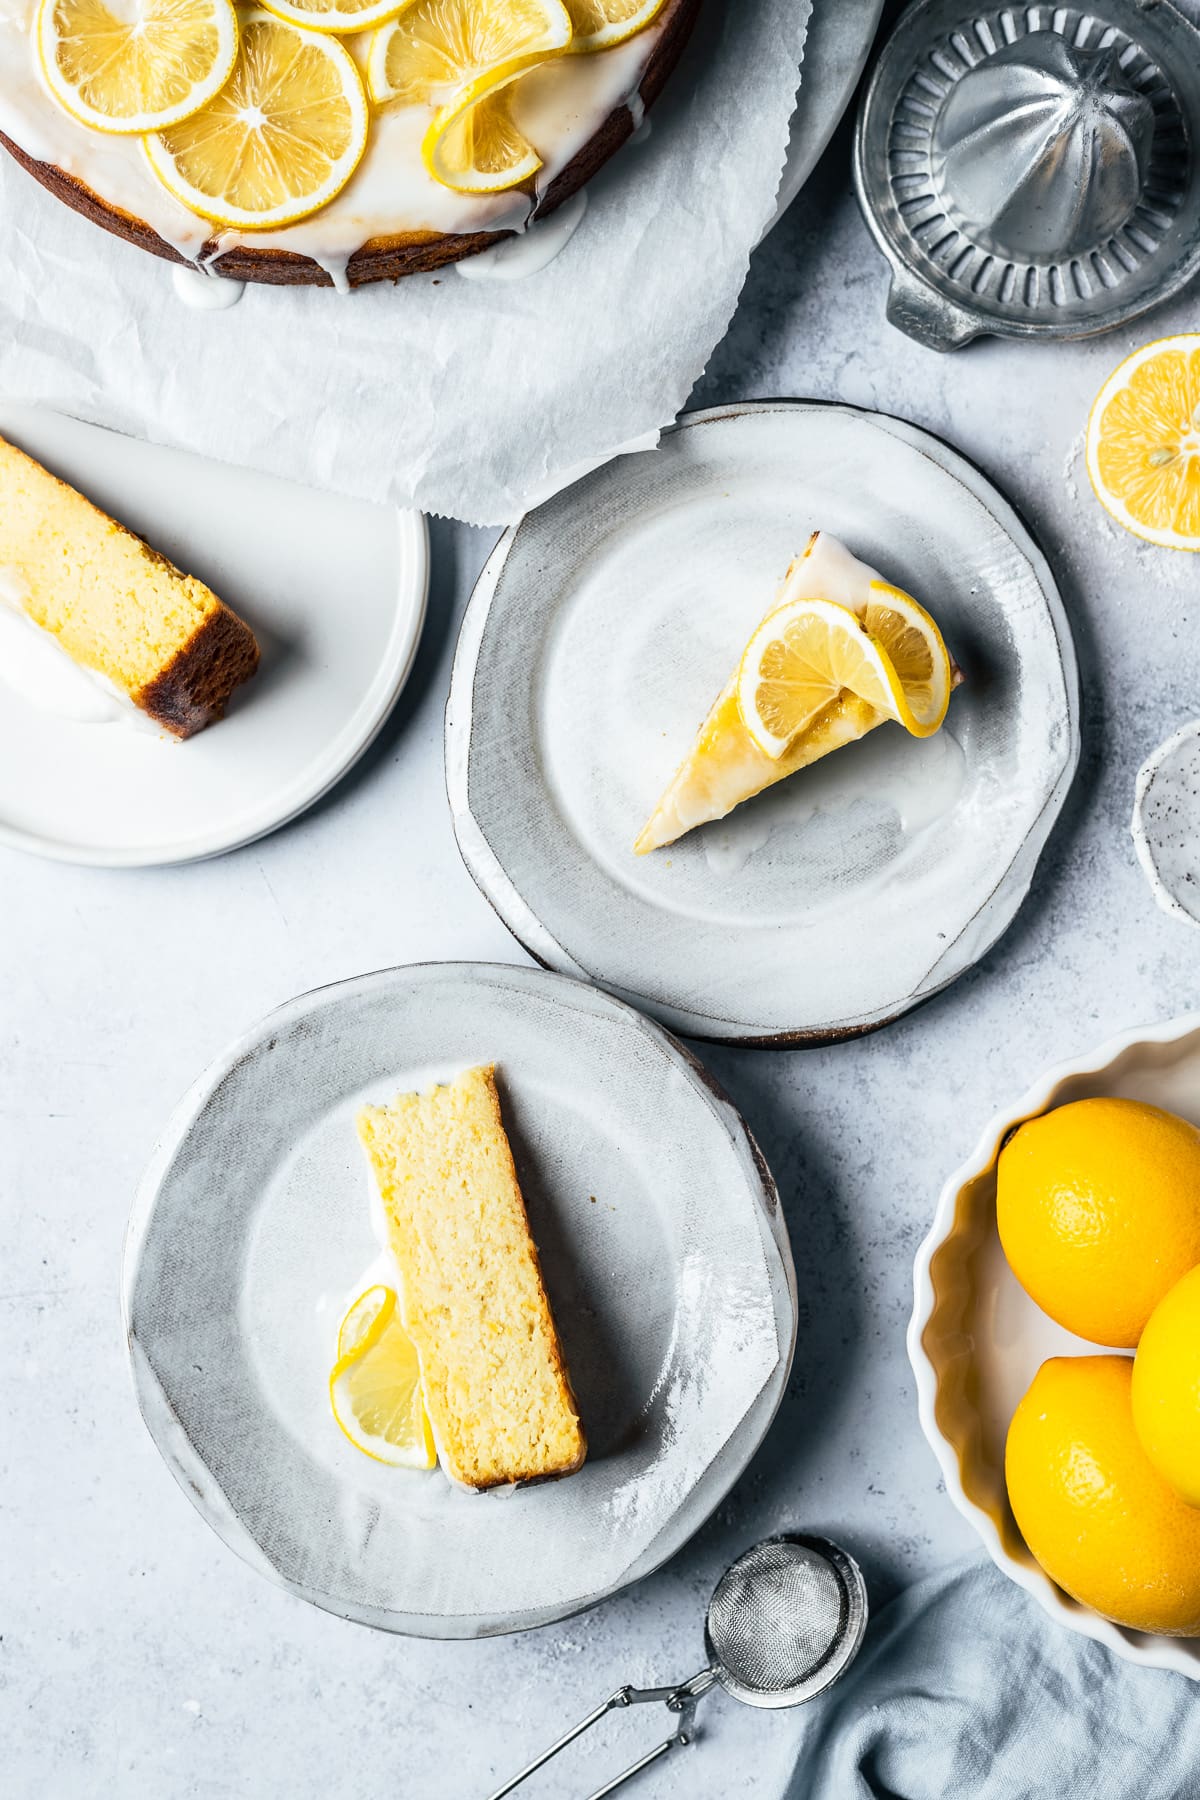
<point>680,1700</point>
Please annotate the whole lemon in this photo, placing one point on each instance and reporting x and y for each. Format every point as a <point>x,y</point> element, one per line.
<point>1166,1388</point>
<point>1091,1506</point>
<point>1098,1207</point>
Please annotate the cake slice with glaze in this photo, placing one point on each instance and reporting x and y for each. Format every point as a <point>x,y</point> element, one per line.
<point>119,609</point>
<point>471,1296</point>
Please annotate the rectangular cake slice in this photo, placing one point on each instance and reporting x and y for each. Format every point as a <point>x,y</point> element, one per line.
<point>472,1299</point>
<point>118,608</point>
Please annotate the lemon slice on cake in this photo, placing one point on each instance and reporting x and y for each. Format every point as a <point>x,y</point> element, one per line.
<point>343,16</point>
<point>283,136</point>
<point>599,24</point>
<point>449,52</point>
<point>1143,443</point>
<point>840,652</point>
<point>375,1386</point>
<point>138,67</point>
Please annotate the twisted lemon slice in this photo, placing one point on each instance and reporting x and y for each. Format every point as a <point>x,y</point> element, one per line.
<point>839,653</point>
<point>282,137</point>
<point>375,1387</point>
<point>138,67</point>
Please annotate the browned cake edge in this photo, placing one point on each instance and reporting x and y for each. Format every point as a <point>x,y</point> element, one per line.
<point>194,688</point>
<point>381,258</point>
<point>562,1373</point>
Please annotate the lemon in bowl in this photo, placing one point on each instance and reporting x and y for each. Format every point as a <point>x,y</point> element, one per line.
<point>1093,1509</point>
<point>1166,1388</point>
<point>1098,1211</point>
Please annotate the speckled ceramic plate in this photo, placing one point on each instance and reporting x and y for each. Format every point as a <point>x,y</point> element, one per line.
<point>1166,815</point>
<point>335,590</point>
<point>976,1339</point>
<point>600,631</point>
<point>665,1256</point>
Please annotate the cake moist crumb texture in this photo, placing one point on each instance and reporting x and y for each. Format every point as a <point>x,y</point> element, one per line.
<point>115,605</point>
<point>472,1296</point>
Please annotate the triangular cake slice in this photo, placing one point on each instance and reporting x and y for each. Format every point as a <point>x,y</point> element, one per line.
<point>726,765</point>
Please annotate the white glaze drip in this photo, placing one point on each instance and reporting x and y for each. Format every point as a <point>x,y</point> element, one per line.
<point>205,291</point>
<point>536,247</point>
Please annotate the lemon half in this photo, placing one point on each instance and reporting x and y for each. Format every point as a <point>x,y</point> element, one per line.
<point>1143,443</point>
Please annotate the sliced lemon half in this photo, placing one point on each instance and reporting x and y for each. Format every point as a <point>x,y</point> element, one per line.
<point>1143,442</point>
<point>438,48</point>
<point>282,137</point>
<point>343,16</point>
<point>916,650</point>
<point>138,66</point>
<point>599,24</point>
<point>375,1385</point>
<point>803,655</point>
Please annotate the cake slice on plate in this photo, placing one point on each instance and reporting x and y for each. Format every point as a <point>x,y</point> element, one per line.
<point>159,638</point>
<point>471,1296</point>
<point>839,652</point>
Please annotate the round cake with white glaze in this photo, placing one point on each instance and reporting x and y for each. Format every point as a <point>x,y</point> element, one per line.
<point>393,216</point>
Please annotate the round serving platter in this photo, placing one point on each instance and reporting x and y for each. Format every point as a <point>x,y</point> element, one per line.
<point>662,1244</point>
<point>335,591</point>
<point>602,628</point>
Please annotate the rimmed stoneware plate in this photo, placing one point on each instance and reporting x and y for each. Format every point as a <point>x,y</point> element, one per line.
<point>1166,810</point>
<point>664,1252</point>
<point>976,1339</point>
<point>335,590</point>
<point>600,631</point>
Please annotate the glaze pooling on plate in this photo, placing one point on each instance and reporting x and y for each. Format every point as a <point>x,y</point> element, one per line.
<point>560,108</point>
<point>670,1278</point>
<point>1166,823</point>
<point>976,1339</point>
<point>598,637</point>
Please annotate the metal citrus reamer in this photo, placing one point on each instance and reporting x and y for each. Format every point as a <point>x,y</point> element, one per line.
<point>785,1620</point>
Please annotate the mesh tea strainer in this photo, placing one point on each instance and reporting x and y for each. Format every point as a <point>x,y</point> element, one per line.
<point>783,1623</point>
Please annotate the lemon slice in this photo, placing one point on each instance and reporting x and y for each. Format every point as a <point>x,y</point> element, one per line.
<point>438,48</point>
<point>803,655</point>
<point>1143,442</point>
<point>375,1387</point>
<point>279,141</point>
<point>337,15</point>
<point>143,66</point>
<point>916,650</point>
<point>599,24</point>
<point>474,147</point>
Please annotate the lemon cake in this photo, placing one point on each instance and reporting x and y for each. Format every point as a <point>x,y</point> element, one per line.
<point>472,1298</point>
<point>839,652</point>
<point>160,639</point>
<point>326,141</point>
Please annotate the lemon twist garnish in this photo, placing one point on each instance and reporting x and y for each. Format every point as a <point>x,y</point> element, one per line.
<point>375,1385</point>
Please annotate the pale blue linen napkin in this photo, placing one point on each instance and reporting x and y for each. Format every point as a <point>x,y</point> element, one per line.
<point>966,1690</point>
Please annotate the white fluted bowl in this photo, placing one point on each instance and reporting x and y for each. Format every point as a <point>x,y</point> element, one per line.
<point>976,1339</point>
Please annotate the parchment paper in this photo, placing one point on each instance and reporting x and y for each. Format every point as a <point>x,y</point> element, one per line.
<point>472,399</point>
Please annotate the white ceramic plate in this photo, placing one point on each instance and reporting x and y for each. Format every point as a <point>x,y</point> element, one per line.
<point>664,1251</point>
<point>598,634</point>
<point>976,1339</point>
<point>335,590</point>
